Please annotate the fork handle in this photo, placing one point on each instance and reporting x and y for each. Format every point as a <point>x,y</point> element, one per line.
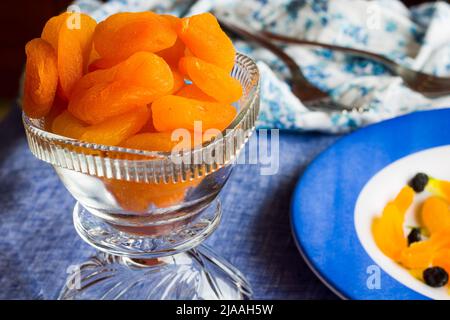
<point>388,63</point>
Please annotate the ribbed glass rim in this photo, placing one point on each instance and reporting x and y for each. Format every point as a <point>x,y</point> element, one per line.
<point>96,159</point>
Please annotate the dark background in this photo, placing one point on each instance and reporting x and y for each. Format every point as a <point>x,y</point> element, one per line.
<point>22,20</point>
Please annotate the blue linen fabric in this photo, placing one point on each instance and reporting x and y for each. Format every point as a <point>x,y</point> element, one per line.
<point>38,241</point>
<point>417,38</point>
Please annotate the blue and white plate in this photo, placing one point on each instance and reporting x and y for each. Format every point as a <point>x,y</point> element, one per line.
<point>348,185</point>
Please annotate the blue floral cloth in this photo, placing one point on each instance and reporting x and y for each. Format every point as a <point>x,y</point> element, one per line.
<point>418,38</point>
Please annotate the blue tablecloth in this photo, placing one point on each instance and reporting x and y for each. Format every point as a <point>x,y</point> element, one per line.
<point>38,241</point>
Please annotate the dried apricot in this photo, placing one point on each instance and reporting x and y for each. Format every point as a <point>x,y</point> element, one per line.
<point>440,188</point>
<point>404,198</point>
<point>174,53</point>
<point>173,112</point>
<point>140,197</point>
<point>68,126</point>
<point>205,39</point>
<point>41,78</point>
<point>191,91</point>
<point>123,34</point>
<point>435,214</point>
<point>50,33</point>
<point>116,129</point>
<point>388,231</point>
<point>73,49</point>
<point>418,255</point>
<point>178,81</point>
<point>106,93</point>
<point>212,80</point>
<point>441,239</point>
<point>158,141</point>
<point>442,259</point>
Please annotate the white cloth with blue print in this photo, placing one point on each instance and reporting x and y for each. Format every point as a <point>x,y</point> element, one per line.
<point>418,38</point>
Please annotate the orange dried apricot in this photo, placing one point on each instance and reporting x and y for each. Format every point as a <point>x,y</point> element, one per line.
<point>440,187</point>
<point>41,78</point>
<point>123,34</point>
<point>205,39</point>
<point>50,33</point>
<point>435,214</point>
<point>173,54</point>
<point>73,47</point>
<point>173,112</point>
<point>441,239</point>
<point>178,81</point>
<point>106,93</point>
<point>418,255</point>
<point>212,80</point>
<point>442,259</point>
<point>404,198</point>
<point>388,231</point>
<point>191,91</point>
<point>158,141</point>
<point>68,126</point>
<point>139,197</point>
<point>116,129</point>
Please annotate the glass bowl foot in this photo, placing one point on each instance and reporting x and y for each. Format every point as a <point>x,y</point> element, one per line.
<point>104,237</point>
<point>195,274</point>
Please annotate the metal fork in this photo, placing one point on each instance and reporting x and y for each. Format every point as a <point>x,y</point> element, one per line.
<point>427,84</point>
<point>312,97</point>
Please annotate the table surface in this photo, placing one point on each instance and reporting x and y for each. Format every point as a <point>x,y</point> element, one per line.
<point>38,242</point>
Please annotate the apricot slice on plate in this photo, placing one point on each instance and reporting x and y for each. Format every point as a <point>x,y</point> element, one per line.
<point>404,198</point>
<point>418,255</point>
<point>173,112</point>
<point>388,231</point>
<point>435,214</point>
<point>68,126</point>
<point>123,34</point>
<point>106,93</point>
<point>441,239</point>
<point>205,39</point>
<point>116,129</point>
<point>191,91</point>
<point>442,259</point>
<point>41,78</point>
<point>440,188</point>
<point>212,80</point>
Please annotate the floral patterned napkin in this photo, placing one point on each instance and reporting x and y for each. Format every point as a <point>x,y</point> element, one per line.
<point>417,38</point>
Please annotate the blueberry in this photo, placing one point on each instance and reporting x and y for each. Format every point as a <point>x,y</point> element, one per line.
<point>435,277</point>
<point>414,236</point>
<point>419,182</point>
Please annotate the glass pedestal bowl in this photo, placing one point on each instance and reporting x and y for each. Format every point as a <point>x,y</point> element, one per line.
<point>148,212</point>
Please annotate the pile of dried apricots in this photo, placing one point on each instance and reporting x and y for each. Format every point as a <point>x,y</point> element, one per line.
<point>131,79</point>
<point>425,252</point>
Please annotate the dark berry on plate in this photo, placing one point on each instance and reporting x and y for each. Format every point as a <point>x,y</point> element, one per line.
<point>414,236</point>
<point>419,182</point>
<point>435,277</point>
